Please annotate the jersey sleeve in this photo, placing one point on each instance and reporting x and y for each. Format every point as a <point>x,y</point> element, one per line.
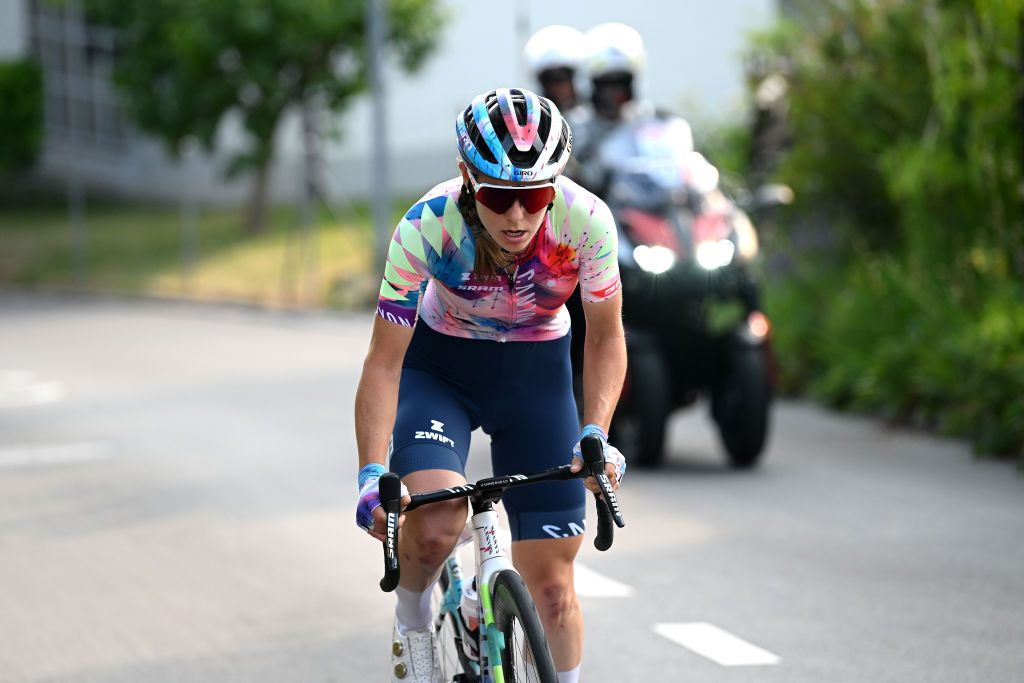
<point>599,256</point>
<point>405,275</point>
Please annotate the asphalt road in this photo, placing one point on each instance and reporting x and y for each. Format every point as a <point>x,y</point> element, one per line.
<point>176,502</point>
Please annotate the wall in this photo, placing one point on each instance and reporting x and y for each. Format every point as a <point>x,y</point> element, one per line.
<point>13,36</point>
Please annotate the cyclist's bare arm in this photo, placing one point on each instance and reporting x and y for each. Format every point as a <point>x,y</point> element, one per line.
<point>604,365</point>
<point>604,360</point>
<point>377,397</point>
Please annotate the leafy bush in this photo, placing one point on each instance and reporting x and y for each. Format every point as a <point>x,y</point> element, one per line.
<point>891,340</point>
<point>21,115</point>
<point>907,122</point>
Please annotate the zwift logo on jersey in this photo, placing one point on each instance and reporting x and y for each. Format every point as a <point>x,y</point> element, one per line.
<point>468,286</point>
<point>435,433</point>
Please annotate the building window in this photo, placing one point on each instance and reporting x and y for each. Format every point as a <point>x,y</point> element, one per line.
<point>81,103</point>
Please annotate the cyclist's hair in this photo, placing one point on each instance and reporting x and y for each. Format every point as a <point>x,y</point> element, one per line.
<point>490,256</point>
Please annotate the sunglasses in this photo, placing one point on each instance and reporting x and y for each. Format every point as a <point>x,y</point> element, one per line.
<point>500,198</point>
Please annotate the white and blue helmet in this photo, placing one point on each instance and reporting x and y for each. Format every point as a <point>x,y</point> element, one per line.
<point>514,134</point>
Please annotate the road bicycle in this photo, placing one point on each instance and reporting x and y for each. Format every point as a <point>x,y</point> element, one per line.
<point>512,646</point>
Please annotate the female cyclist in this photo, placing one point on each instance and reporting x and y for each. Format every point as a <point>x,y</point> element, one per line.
<point>471,331</point>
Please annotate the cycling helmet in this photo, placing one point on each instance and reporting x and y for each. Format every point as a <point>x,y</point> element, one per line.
<point>514,134</point>
<point>614,48</point>
<point>555,47</point>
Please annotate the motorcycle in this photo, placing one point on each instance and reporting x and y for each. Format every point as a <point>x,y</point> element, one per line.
<point>691,308</point>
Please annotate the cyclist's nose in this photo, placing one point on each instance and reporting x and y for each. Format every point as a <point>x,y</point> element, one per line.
<point>517,210</point>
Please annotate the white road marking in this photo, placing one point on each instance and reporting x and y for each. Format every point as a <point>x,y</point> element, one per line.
<point>717,645</point>
<point>590,584</point>
<point>54,454</point>
<point>20,388</point>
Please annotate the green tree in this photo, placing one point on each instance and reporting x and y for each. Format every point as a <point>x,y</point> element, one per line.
<point>186,64</point>
<point>21,115</point>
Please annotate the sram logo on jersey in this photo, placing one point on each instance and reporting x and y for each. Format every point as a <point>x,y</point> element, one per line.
<point>435,435</point>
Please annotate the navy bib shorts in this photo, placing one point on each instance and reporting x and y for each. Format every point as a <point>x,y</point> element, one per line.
<point>519,393</point>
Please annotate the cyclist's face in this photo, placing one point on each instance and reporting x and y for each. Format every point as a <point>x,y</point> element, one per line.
<point>515,227</point>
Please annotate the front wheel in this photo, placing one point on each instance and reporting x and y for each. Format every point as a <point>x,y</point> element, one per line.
<point>741,403</point>
<point>525,657</point>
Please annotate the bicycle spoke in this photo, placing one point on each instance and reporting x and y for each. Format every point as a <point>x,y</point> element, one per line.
<point>448,642</point>
<point>523,668</point>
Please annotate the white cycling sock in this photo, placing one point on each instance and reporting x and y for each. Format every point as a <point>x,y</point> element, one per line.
<point>570,676</point>
<point>413,609</point>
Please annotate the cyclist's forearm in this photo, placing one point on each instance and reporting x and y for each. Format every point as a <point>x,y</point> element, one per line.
<point>376,401</point>
<point>604,368</point>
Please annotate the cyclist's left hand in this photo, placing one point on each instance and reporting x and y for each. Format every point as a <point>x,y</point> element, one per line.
<point>615,463</point>
<point>370,515</point>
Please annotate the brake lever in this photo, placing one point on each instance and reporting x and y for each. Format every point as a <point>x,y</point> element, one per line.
<point>390,488</point>
<point>608,511</point>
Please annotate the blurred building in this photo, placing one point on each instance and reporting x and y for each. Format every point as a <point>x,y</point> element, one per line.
<point>693,69</point>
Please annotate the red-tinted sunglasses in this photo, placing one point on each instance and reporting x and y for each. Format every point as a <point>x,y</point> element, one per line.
<point>500,198</point>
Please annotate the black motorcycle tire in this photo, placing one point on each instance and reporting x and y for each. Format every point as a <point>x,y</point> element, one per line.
<point>741,403</point>
<point>638,428</point>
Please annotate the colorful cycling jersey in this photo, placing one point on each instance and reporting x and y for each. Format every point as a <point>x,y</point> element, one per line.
<point>430,263</point>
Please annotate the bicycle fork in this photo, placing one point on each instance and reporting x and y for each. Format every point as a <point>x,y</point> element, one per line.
<point>490,558</point>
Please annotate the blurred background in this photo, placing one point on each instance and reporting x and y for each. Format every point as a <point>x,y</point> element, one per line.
<point>194,205</point>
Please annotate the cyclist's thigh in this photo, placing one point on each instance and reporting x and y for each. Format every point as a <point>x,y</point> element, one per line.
<point>537,432</point>
<point>432,426</point>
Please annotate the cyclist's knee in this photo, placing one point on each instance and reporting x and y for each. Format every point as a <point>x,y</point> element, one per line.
<point>431,532</point>
<point>555,596</point>
<point>547,568</point>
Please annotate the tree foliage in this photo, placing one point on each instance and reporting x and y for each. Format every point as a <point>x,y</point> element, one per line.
<point>908,135</point>
<point>186,64</point>
<point>905,116</point>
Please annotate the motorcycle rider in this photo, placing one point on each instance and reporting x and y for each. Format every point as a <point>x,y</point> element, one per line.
<point>615,60</point>
<point>554,55</point>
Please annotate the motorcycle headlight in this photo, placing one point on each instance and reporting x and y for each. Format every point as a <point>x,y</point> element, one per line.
<point>711,255</point>
<point>654,260</point>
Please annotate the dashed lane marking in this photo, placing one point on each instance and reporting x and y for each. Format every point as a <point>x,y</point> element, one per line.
<point>590,584</point>
<point>718,645</point>
<point>20,388</point>
<point>54,454</point>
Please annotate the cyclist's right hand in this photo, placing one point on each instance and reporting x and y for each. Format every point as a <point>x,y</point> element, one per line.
<point>370,516</point>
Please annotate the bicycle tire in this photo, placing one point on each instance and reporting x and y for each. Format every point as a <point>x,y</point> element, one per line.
<point>454,663</point>
<point>525,657</point>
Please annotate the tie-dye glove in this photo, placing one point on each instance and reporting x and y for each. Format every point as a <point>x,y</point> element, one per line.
<point>611,453</point>
<point>369,495</point>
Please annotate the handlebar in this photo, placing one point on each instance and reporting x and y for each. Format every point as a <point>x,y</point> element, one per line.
<point>608,512</point>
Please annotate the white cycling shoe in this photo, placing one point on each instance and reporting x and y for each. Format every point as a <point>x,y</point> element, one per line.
<point>414,656</point>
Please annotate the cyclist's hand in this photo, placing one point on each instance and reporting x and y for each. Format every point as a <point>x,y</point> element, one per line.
<point>615,463</point>
<point>370,516</point>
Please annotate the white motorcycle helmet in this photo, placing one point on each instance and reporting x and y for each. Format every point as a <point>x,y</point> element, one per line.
<point>614,48</point>
<point>615,59</point>
<point>555,47</point>
<point>553,55</point>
